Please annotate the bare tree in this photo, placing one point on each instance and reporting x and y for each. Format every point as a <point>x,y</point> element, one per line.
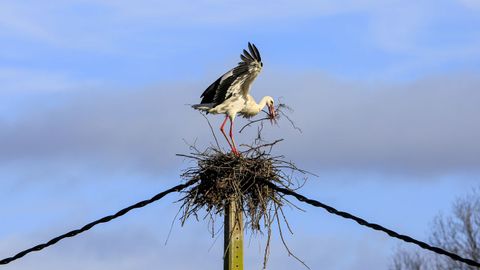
<point>458,232</point>
<point>404,260</point>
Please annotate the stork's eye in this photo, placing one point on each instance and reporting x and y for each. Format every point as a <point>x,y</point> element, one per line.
<point>261,64</point>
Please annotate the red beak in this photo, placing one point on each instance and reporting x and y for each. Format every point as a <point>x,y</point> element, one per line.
<point>272,113</point>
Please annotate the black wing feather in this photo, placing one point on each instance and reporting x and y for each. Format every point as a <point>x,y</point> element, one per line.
<point>248,55</point>
<point>222,90</point>
<point>252,51</point>
<point>217,92</point>
<point>244,59</point>
<point>209,94</point>
<point>257,53</point>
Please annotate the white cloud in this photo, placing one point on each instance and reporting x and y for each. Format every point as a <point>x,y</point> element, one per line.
<point>221,12</point>
<point>60,24</point>
<point>21,19</point>
<point>22,80</point>
<point>108,26</point>
<point>397,26</point>
<point>473,4</point>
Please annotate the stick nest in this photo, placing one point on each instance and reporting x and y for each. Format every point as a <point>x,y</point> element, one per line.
<point>222,177</point>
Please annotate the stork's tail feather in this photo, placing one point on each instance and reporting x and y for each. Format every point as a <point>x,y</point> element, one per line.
<point>203,107</point>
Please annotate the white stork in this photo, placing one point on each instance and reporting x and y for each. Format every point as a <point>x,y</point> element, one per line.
<point>229,94</point>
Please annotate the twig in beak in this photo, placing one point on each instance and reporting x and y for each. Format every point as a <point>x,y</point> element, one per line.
<point>272,115</point>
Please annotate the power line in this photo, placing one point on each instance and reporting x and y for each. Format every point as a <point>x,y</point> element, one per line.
<point>373,225</point>
<point>279,189</point>
<point>96,222</point>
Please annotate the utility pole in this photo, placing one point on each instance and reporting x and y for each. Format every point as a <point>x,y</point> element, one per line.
<point>233,237</point>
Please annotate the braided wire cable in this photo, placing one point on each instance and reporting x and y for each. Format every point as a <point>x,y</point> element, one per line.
<point>96,222</point>
<point>285,191</point>
<point>374,226</point>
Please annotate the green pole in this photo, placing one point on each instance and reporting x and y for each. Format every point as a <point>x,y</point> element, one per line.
<point>233,237</point>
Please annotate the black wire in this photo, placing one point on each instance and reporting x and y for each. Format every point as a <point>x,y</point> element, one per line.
<point>102,220</point>
<point>374,226</point>
<point>279,189</point>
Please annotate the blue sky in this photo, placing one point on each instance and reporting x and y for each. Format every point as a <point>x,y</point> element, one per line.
<point>93,110</point>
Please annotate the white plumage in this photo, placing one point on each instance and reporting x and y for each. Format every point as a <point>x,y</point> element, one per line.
<point>229,94</point>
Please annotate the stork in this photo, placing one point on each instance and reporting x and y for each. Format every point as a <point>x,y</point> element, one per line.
<point>229,94</point>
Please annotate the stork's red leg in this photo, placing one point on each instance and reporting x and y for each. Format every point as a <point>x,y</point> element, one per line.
<point>231,137</point>
<point>225,135</point>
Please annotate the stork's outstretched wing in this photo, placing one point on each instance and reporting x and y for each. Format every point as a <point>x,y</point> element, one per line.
<point>237,81</point>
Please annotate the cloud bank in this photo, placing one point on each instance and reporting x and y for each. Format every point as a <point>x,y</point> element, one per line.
<point>427,126</point>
